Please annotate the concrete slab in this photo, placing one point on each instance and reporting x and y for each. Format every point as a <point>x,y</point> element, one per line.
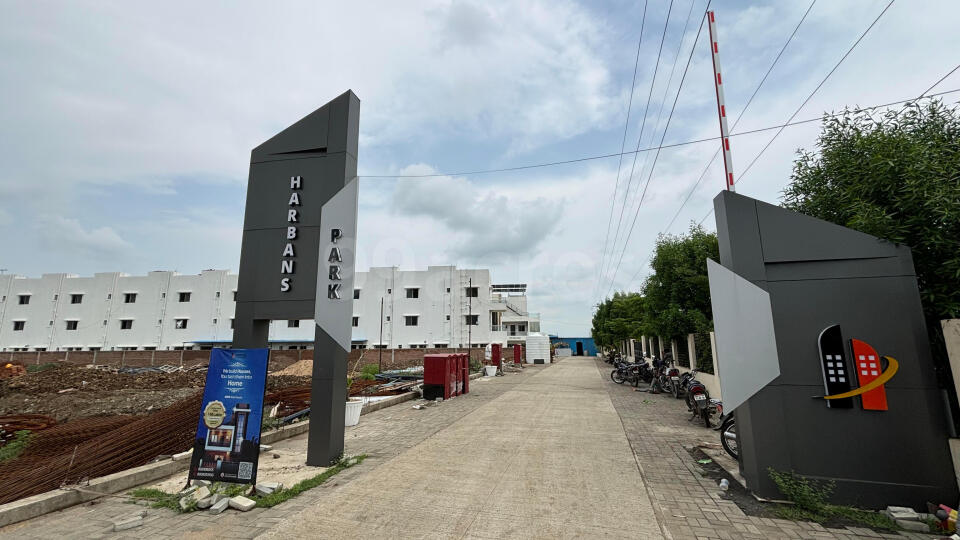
<point>547,459</point>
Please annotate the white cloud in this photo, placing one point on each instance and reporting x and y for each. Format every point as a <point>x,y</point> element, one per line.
<point>68,236</point>
<point>488,225</point>
<point>140,102</point>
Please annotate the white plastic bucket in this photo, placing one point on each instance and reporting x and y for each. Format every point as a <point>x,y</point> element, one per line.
<point>352,414</point>
<point>490,371</point>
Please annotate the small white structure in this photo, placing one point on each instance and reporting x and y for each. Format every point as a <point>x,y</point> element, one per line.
<point>538,348</point>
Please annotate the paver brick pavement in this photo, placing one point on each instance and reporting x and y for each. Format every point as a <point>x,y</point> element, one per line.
<point>690,504</point>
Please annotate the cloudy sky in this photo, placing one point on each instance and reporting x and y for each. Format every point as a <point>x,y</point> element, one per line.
<point>126,127</point>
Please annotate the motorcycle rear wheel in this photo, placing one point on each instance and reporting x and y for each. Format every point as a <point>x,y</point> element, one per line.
<point>730,443</point>
<point>675,388</point>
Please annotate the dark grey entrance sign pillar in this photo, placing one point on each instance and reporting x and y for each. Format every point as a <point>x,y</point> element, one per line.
<point>297,255</point>
<point>825,280</point>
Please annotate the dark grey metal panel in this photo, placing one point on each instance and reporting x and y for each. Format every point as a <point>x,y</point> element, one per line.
<point>839,268</point>
<point>268,190</point>
<point>819,274</point>
<point>325,440</point>
<point>309,134</point>
<point>744,257</point>
<point>789,236</point>
<point>321,150</point>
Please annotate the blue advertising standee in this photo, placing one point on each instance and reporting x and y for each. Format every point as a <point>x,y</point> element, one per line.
<point>227,445</point>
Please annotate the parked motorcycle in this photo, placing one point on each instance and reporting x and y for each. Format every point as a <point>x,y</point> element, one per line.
<point>612,356</point>
<point>728,436</point>
<point>700,403</point>
<point>629,372</point>
<point>672,380</point>
<point>680,385</point>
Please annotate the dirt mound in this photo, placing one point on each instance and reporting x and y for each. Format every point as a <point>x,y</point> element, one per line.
<point>303,368</point>
<point>62,394</point>
<point>81,378</point>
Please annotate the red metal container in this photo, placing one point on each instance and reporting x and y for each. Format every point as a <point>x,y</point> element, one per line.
<point>439,376</point>
<point>517,354</point>
<point>495,354</point>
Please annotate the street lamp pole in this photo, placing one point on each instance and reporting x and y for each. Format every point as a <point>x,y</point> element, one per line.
<point>469,317</point>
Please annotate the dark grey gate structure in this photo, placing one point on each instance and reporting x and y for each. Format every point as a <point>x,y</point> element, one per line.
<point>827,281</point>
<point>297,256</point>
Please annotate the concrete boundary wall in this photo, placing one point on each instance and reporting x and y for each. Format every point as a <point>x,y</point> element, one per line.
<point>279,359</point>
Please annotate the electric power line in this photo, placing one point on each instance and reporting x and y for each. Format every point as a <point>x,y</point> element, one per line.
<point>934,85</point>
<point>744,110</point>
<point>809,97</point>
<point>815,90</point>
<point>623,143</point>
<point>643,124</point>
<point>643,167</point>
<point>626,243</point>
<point>616,154</point>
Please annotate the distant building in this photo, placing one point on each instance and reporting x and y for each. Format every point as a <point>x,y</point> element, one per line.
<point>579,346</point>
<point>437,307</point>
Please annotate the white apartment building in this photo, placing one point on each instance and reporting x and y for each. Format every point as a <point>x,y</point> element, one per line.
<point>438,307</point>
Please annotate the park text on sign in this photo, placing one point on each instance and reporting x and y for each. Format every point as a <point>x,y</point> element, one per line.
<point>335,258</point>
<point>293,217</point>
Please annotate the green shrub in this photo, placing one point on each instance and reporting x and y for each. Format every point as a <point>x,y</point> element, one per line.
<point>369,372</point>
<point>810,502</point>
<point>37,368</point>
<point>807,494</point>
<point>13,448</point>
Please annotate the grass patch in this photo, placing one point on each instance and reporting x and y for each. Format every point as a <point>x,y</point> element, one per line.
<point>15,446</point>
<point>158,498</point>
<point>37,368</point>
<point>810,503</point>
<point>162,499</point>
<point>278,497</point>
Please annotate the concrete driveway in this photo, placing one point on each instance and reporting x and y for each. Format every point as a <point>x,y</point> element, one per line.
<point>547,459</point>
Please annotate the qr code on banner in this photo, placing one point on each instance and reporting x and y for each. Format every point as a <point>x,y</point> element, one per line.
<point>245,471</point>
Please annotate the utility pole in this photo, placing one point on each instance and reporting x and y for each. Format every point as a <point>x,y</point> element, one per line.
<point>380,348</point>
<point>469,318</point>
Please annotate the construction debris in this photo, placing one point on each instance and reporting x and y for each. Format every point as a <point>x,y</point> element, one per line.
<point>220,505</point>
<point>267,488</point>
<point>242,503</point>
<point>129,522</point>
<point>11,370</point>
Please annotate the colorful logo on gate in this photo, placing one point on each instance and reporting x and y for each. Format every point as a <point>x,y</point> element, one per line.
<point>868,371</point>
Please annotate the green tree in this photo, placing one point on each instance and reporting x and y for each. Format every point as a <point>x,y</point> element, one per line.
<point>678,292</point>
<point>895,176</point>
<point>674,300</point>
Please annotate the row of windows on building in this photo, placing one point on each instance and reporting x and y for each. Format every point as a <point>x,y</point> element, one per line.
<point>125,324</point>
<point>414,292</point>
<point>128,298</point>
<point>181,324</point>
<point>414,320</point>
<point>440,345</point>
<point>131,298</point>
